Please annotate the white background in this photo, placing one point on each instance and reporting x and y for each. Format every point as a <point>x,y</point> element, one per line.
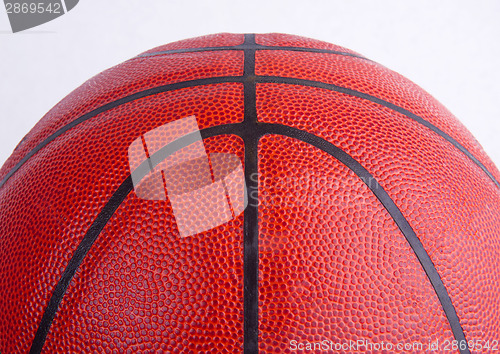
<point>450,48</point>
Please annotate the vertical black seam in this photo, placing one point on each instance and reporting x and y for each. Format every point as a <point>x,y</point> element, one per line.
<point>250,223</point>
<point>250,132</point>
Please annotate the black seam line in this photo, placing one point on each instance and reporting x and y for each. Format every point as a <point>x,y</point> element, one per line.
<point>105,215</point>
<point>418,119</point>
<point>250,216</point>
<point>258,79</point>
<point>391,208</point>
<point>114,104</point>
<point>251,47</point>
<point>239,129</point>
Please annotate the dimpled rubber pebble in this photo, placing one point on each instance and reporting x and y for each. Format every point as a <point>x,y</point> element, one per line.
<point>124,80</point>
<point>286,40</point>
<point>211,40</point>
<point>333,264</point>
<point>153,282</point>
<point>373,79</point>
<point>80,175</point>
<point>451,203</point>
<point>150,290</point>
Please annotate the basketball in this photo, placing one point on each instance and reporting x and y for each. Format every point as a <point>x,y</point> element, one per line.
<point>249,192</point>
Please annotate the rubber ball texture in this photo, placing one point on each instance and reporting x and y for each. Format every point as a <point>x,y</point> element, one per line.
<point>371,212</point>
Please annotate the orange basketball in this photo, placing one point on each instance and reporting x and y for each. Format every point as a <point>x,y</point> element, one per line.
<point>234,193</point>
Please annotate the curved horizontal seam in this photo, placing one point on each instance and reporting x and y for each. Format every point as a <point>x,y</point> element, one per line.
<point>105,215</point>
<point>405,112</point>
<point>119,102</point>
<point>259,79</point>
<point>392,209</point>
<point>239,129</point>
<point>246,46</point>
